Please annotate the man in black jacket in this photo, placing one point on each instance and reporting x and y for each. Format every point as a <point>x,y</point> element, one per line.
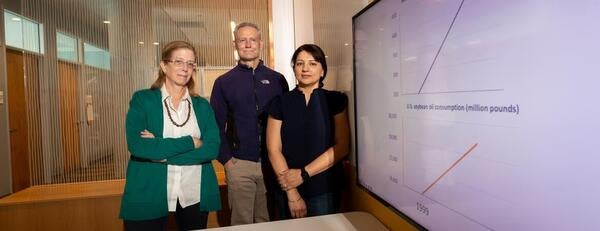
<point>240,99</point>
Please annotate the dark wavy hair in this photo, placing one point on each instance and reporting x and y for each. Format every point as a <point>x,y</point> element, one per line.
<point>166,53</point>
<point>316,53</point>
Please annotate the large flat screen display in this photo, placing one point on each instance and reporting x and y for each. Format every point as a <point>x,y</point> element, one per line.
<point>481,115</point>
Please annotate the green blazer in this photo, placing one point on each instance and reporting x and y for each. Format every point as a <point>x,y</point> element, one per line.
<point>145,195</point>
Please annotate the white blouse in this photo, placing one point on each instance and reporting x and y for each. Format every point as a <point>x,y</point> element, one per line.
<point>183,182</point>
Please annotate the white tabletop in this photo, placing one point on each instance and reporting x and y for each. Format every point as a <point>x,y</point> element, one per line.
<point>340,221</point>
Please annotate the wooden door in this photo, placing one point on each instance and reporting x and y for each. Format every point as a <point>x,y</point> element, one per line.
<point>17,116</point>
<point>69,116</point>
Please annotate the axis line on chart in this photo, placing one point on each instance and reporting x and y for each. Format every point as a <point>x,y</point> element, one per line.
<point>441,46</point>
<point>451,167</point>
<point>450,92</point>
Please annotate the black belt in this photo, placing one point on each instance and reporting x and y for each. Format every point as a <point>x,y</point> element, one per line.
<point>140,159</point>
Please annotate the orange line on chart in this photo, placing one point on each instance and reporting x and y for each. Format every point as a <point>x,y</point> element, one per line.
<point>450,168</point>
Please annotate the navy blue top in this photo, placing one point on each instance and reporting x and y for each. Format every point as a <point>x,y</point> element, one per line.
<point>240,99</point>
<point>307,131</point>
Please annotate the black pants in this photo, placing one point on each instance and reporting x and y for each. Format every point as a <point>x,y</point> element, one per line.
<point>188,218</point>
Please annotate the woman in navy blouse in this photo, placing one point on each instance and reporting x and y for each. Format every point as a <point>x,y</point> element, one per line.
<point>307,134</point>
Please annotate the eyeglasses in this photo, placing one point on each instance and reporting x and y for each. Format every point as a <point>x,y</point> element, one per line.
<point>180,63</point>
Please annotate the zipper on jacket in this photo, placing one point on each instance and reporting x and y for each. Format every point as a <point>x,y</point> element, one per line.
<point>258,121</point>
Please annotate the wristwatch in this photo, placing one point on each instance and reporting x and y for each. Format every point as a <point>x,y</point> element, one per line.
<point>304,174</point>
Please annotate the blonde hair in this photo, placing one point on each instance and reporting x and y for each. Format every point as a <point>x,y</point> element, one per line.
<point>166,53</point>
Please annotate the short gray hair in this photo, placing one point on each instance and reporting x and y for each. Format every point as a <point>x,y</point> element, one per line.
<point>246,24</point>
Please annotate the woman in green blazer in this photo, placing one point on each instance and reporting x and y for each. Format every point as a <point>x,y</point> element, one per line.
<point>172,136</point>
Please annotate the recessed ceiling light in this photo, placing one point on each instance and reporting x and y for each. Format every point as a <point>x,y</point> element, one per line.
<point>155,43</point>
<point>345,44</point>
<point>141,43</point>
<point>106,22</point>
<point>16,19</point>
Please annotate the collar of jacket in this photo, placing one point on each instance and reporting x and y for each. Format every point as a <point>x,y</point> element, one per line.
<point>245,67</point>
<point>297,90</point>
